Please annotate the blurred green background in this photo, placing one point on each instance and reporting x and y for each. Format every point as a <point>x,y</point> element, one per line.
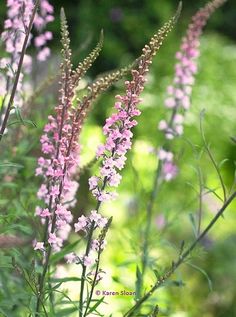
<point>127,26</point>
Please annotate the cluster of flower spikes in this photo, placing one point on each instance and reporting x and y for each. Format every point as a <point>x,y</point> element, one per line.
<point>179,93</point>
<point>60,143</point>
<point>117,130</point>
<point>15,26</point>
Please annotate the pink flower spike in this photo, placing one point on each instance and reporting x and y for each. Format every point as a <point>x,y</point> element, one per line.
<point>45,213</point>
<point>42,192</point>
<point>54,191</point>
<point>93,182</point>
<point>170,103</point>
<point>81,224</point>
<point>114,180</point>
<point>95,245</point>
<point>54,240</point>
<point>170,90</point>
<point>102,222</point>
<point>43,54</point>
<point>169,171</point>
<point>88,261</point>
<point>179,129</point>
<point>38,211</point>
<point>39,246</point>
<point>162,125</point>
<point>165,155</point>
<point>178,119</point>
<point>100,150</point>
<point>95,216</point>
<point>71,258</point>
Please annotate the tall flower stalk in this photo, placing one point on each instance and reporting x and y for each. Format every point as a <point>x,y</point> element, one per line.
<point>178,102</point>
<point>117,130</point>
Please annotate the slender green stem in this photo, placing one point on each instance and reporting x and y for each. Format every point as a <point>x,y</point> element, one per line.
<point>212,159</point>
<point>15,84</point>
<point>2,110</point>
<point>51,295</point>
<point>181,259</point>
<point>42,279</point>
<point>149,211</point>
<point>94,282</point>
<point>200,201</point>
<point>149,214</point>
<point>84,268</point>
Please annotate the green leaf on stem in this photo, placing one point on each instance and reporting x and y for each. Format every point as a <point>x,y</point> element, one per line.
<point>155,311</point>
<point>138,283</point>
<point>24,122</point>
<point>157,274</point>
<point>10,164</point>
<point>19,116</point>
<point>94,307</point>
<point>203,272</point>
<point>66,311</point>
<point>193,223</point>
<point>213,191</point>
<point>223,163</point>
<point>65,279</point>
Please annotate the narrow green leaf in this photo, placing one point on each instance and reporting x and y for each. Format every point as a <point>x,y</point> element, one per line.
<point>96,305</point>
<point>25,121</point>
<point>213,191</point>
<point>65,279</point>
<point>193,223</point>
<point>10,164</point>
<point>138,283</point>
<point>19,116</point>
<point>66,311</point>
<point>222,163</point>
<point>157,274</point>
<point>204,273</point>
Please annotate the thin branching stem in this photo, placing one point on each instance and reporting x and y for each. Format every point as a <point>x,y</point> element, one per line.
<point>206,146</point>
<point>149,211</point>
<point>149,215</point>
<point>181,258</point>
<point>18,72</point>
<point>94,281</point>
<point>88,247</point>
<point>200,210</point>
